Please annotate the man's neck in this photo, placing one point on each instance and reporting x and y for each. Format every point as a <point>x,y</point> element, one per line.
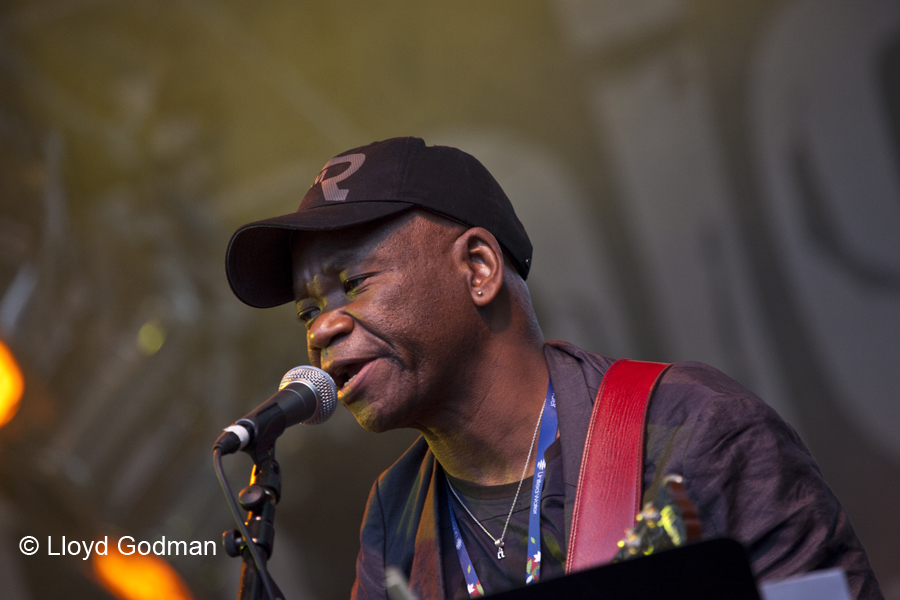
<point>485,438</point>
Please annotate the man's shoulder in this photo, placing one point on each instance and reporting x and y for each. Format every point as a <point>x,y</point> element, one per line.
<point>688,392</point>
<point>694,389</point>
<point>702,375</point>
<point>684,381</point>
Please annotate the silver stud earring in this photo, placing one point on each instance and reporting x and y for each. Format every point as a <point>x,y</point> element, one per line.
<point>479,293</point>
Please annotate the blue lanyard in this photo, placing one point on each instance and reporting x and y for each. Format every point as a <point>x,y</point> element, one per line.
<point>533,565</point>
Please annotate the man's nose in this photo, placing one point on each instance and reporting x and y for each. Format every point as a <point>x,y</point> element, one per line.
<point>327,329</point>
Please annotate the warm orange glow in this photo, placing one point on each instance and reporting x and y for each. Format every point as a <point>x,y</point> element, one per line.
<point>136,577</point>
<point>11,385</point>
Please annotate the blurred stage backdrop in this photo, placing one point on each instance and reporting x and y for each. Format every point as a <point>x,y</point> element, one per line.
<point>707,180</point>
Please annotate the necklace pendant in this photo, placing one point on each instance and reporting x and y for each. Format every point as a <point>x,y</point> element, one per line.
<point>500,554</point>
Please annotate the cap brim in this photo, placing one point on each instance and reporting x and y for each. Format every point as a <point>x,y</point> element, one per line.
<point>258,259</point>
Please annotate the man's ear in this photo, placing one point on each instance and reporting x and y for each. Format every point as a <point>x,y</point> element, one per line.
<point>481,258</point>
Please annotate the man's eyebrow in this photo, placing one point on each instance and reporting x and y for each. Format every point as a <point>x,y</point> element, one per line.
<point>338,261</point>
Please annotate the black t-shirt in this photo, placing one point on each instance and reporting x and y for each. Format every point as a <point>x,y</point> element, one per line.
<point>490,505</point>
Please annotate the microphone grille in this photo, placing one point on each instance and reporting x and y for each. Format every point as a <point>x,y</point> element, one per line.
<point>322,384</point>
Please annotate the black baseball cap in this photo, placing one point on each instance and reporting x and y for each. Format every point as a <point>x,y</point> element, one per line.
<point>368,183</point>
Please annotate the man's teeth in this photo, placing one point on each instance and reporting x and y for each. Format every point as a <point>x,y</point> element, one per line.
<point>346,383</point>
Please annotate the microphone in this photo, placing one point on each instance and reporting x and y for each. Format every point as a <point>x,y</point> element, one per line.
<point>306,395</point>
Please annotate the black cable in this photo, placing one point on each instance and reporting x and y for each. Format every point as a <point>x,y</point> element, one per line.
<point>236,512</point>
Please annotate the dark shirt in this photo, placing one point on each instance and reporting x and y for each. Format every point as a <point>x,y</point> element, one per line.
<point>490,505</point>
<point>746,470</point>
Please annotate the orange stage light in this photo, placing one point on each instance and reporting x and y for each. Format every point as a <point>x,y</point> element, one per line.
<point>11,385</point>
<point>137,577</point>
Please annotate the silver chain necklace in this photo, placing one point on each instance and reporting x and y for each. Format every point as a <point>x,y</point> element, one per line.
<point>499,541</point>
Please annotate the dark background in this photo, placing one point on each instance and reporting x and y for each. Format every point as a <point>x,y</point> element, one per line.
<point>715,181</point>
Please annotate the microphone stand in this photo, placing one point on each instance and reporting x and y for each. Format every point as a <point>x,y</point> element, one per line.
<point>259,499</point>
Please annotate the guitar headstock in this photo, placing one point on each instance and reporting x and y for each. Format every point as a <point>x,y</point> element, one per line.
<point>667,521</point>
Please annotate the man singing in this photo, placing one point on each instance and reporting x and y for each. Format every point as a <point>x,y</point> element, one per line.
<point>407,265</point>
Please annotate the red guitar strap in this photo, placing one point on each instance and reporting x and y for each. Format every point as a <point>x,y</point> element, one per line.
<point>609,487</point>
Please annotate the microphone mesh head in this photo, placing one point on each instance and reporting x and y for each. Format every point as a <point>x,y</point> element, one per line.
<point>322,384</point>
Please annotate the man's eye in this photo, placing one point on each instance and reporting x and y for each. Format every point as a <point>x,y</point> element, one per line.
<point>307,315</point>
<point>353,283</point>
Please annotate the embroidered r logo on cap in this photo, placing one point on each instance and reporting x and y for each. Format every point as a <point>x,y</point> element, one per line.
<point>330,189</point>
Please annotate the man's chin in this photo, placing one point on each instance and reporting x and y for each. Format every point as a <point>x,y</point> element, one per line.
<point>372,420</point>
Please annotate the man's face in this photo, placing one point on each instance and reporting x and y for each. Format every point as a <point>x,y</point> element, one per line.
<point>387,315</point>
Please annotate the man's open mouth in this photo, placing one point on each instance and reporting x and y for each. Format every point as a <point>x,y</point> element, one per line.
<point>345,373</point>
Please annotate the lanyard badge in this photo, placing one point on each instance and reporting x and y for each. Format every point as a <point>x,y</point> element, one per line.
<point>549,425</point>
